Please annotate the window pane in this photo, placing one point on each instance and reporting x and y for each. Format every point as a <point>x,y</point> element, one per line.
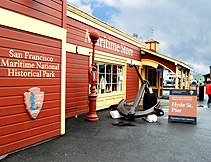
<point>114,69</point>
<point>114,79</point>
<point>108,88</point>
<point>152,77</point>
<point>102,83</point>
<point>120,75</point>
<point>101,68</point>
<point>119,69</point>
<point>114,86</point>
<point>119,87</point>
<point>96,65</point>
<point>108,68</point>
<point>108,78</point>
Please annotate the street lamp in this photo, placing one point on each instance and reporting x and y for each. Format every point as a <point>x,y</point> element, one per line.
<point>92,116</point>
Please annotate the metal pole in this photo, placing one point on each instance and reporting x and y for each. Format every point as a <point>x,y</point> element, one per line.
<point>176,79</point>
<point>92,116</point>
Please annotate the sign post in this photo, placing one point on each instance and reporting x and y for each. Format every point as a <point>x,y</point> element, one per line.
<point>183,106</point>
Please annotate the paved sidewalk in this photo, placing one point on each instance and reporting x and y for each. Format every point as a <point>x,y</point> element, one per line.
<point>104,142</point>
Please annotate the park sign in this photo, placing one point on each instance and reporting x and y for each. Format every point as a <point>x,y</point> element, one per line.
<point>34,101</point>
<point>183,106</point>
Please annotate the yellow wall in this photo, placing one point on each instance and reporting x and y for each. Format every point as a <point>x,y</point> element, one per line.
<point>153,46</point>
<point>157,47</point>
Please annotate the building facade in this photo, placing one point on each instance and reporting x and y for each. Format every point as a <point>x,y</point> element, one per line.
<point>45,54</point>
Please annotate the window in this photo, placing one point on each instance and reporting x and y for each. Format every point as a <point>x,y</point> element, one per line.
<point>109,79</point>
<point>152,77</point>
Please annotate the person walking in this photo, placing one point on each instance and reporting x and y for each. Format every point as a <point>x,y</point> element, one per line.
<point>208,92</point>
<point>200,82</point>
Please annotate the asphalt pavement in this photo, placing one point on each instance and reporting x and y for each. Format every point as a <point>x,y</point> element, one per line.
<point>138,141</point>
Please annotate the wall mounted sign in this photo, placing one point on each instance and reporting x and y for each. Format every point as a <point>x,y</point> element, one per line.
<point>107,43</point>
<point>34,101</point>
<point>183,106</point>
<point>29,65</point>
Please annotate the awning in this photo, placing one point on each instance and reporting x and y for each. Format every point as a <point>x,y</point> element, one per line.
<point>163,60</point>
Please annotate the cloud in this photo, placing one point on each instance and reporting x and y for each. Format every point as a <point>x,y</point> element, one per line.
<point>83,5</point>
<point>181,27</point>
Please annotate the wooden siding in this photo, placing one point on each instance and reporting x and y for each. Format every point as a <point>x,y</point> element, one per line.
<point>76,33</point>
<point>49,11</point>
<point>17,129</point>
<point>132,84</point>
<point>77,86</point>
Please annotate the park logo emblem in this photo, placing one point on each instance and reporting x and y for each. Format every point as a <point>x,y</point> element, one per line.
<point>34,101</point>
<point>191,92</point>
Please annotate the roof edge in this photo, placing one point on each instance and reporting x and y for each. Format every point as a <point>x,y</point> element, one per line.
<point>176,62</point>
<point>104,25</point>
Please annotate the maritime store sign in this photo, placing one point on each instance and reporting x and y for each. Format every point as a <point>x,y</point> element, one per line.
<point>107,43</point>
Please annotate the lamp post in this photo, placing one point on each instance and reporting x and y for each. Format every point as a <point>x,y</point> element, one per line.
<point>92,116</point>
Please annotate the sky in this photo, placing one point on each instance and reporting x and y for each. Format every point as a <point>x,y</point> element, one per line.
<point>182,27</point>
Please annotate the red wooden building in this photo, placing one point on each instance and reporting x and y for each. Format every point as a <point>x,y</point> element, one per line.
<point>46,44</point>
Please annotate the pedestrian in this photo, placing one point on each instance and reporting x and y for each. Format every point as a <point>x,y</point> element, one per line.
<point>208,92</point>
<point>200,82</point>
<point>194,82</point>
